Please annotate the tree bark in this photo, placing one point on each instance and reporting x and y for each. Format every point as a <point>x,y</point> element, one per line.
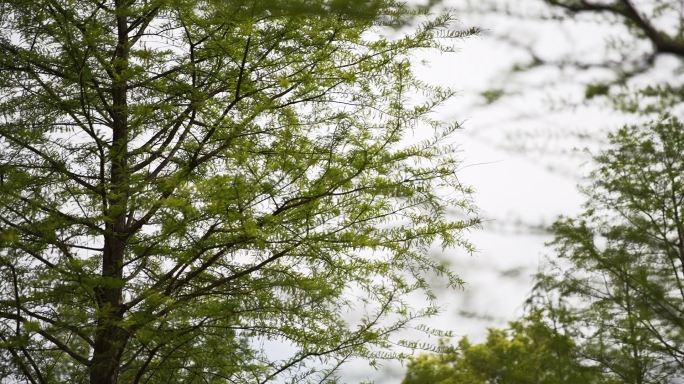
<point>110,338</point>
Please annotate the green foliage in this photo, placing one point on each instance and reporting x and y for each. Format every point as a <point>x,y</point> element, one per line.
<point>492,95</point>
<point>619,276</point>
<point>529,351</point>
<point>387,12</point>
<point>609,309</point>
<point>186,183</point>
<point>594,90</point>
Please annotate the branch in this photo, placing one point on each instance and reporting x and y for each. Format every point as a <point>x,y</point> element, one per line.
<point>24,369</point>
<point>60,345</point>
<point>660,40</point>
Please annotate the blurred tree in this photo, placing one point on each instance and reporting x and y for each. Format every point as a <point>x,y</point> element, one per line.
<point>637,34</point>
<point>187,186</point>
<point>619,275</point>
<point>654,28</point>
<point>528,352</point>
<point>612,60</point>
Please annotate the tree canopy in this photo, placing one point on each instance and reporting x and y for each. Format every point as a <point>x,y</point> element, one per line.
<point>614,60</point>
<point>528,352</point>
<point>653,29</point>
<point>184,183</point>
<point>619,272</point>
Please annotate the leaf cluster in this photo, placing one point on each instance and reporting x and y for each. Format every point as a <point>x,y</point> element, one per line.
<point>529,351</point>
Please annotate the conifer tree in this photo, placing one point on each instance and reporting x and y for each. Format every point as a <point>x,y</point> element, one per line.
<point>185,182</point>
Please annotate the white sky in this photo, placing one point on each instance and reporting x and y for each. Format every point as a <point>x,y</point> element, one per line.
<point>530,186</point>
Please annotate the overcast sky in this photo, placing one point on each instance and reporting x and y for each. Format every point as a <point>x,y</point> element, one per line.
<point>529,186</point>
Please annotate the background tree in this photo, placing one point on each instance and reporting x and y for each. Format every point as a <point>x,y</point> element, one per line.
<point>583,56</point>
<point>609,308</point>
<point>654,29</point>
<point>529,351</point>
<point>620,266</point>
<point>186,184</point>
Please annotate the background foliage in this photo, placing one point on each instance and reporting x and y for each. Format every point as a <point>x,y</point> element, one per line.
<point>607,305</point>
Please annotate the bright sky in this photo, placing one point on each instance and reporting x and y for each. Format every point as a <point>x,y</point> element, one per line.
<point>532,186</point>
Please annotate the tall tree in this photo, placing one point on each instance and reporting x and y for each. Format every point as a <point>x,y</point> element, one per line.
<point>184,183</point>
<point>620,270</point>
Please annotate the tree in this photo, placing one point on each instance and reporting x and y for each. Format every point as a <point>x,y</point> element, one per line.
<point>620,264</point>
<point>184,183</point>
<point>529,351</point>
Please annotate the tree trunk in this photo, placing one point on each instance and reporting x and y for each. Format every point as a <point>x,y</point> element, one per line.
<point>110,338</point>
